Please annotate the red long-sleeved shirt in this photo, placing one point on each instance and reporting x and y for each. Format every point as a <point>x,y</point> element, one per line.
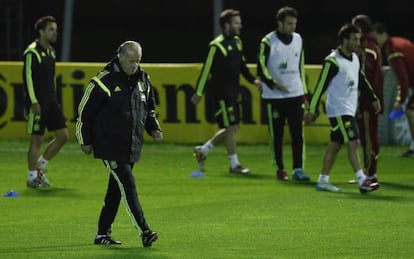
<point>400,55</point>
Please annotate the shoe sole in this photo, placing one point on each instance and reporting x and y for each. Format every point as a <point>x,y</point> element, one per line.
<point>320,189</point>
<point>28,185</point>
<point>40,186</point>
<point>282,179</point>
<point>300,179</point>
<point>240,173</point>
<point>326,190</point>
<point>371,188</point>
<point>245,171</point>
<point>152,240</point>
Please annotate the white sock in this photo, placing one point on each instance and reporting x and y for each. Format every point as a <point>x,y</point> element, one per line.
<point>372,176</point>
<point>360,176</point>
<point>412,145</point>
<point>323,178</point>
<point>32,174</point>
<point>234,161</point>
<point>42,163</point>
<point>207,147</point>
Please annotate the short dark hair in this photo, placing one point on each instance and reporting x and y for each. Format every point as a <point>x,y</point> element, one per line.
<point>346,30</point>
<point>42,22</point>
<point>227,15</point>
<point>364,22</point>
<point>381,28</point>
<point>285,11</point>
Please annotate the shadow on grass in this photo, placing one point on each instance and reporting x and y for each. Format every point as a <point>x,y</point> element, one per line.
<point>376,195</point>
<point>248,176</point>
<point>398,186</point>
<point>54,191</point>
<point>83,251</point>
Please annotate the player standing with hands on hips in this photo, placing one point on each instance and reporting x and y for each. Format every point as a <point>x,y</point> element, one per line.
<point>341,76</point>
<point>117,107</point>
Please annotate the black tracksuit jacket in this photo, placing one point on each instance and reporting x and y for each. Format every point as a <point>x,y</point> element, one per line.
<point>114,112</point>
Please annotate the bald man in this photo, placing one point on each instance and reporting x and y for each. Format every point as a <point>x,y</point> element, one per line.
<point>116,108</point>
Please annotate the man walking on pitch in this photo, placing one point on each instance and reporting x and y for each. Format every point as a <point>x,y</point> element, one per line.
<point>221,74</point>
<point>117,107</point>
<point>343,80</point>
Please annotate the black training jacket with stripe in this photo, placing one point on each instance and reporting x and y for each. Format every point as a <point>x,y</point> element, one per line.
<point>114,112</point>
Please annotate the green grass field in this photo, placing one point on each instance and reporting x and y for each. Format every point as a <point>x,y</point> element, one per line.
<point>217,216</point>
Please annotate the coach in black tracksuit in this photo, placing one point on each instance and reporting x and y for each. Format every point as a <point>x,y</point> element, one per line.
<point>117,106</point>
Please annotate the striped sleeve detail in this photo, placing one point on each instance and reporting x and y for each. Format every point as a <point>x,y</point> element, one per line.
<point>395,55</point>
<point>102,85</point>
<point>81,106</point>
<point>239,44</point>
<point>29,77</point>
<point>302,72</point>
<point>206,70</point>
<point>32,49</point>
<point>217,42</point>
<point>372,53</point>
<point>264,44</point>
<point>322,83</point>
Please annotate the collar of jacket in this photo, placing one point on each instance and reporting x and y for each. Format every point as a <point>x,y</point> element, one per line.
<point>114,66</point>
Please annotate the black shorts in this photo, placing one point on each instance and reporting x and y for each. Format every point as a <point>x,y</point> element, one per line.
<point>227,113</point>
<point>344,129</point>
<point>51,117</point>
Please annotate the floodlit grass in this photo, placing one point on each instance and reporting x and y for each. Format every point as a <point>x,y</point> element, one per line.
<point>217,216</point>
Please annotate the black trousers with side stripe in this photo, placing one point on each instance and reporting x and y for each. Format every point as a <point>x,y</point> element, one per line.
<point>278,111</point>
<point>121,185</point>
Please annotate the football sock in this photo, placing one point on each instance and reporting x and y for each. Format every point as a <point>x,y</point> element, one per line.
<point>412,145</point>
<point>42,163</point>
<point>234,161</point>
<point>32,174</point>
<point>207,147</point>
<point>323,178</point>
<point>360,176</point>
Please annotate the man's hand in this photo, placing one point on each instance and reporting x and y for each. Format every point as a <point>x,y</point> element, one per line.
<point>258,83</point>
<point>156,135</point>
<point>377,106</point>
<point>195,99</point>
<point>309,117</point>
<point>35,108</point>
<point>87,149</point>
